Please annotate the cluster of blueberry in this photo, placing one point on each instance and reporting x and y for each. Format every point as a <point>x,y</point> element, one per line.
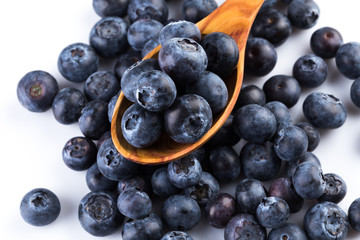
<point>190,186</point>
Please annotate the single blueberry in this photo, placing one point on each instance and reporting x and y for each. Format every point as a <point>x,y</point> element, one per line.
<point>147,9</point>
<point>134,204</point>
<point>161,184</point>
<point>347,60</point>
<point>289,231</point>
<point>310,70</point>
<point>143,30</point>
<point>137,182</point>
<point>325,42</point>
<point>101,85</point>
<point>335,189</point>
<point>220,209</point>
<point>106,8</point>
<point>312,133</point>
<point>244,226</point>
<point>281,113</point>
<point>303,14</point>
<point>355,92</point>
<point>148,47</point>
<point>184,172</point>
<point>272,212</point>
<point>96,181</point>
<point>249,194</point>
<point>354,214</point>
<point>147,228</point>
<point>195,10</point>
<point>180,29</point>
<point>111,105</point>
<point>124,61</point>
<point>250,94</point>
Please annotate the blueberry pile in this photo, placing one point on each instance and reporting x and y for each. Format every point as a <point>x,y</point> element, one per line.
<point>178,93</point>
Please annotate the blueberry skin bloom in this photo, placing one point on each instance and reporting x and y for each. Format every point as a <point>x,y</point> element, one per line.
<point>249,193</point>
<point>108,37</point>
<point>244,226</point>
<point>289,231</point>
<point>180,29</point>
<point>303,14</point>
<point>98,213</point>
<point>326,221</point>
<point>188,119</point>
<point>77,62</point>
<point>140,127</point>
<point>211,87</point>
<point>222,51</point>
<point>155,91</point>
<point>101,85</point>
<point>254,123</point>
<point>354,214</point>
<point>180,212</point>
<point>325,42</point>
<point>148,9</point>
<point>134,204</point>
<point>355,92</point>
<point>147,228</point>
<point>195,10</point>
<point>324,110</point>
<point>347,60</point>
<point>220,209</point>
<point>184,172</point>
<point>40,207</point>
<point>272,212</point>
<point>176,235</point>
<point>183,59</point>
<point>310,70</point>
<point>143,30</point>
<point>36,91</point>
<point>335,189</point>
<point>106,8</point>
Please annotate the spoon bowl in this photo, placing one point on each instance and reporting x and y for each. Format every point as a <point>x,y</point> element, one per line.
<point>233,17</point>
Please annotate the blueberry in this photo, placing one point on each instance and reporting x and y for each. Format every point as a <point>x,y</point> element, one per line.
<point>249,194</point>
<point>147,228</point>
<point>184,172</point>
<point>137,182</point>
<point>99,215</point>
<point>289,231</point>
<point>111,106</point>
<point>67,105</point>
<point>124,61</point>
<point>282,88</point>
<point>105,8</point>
<point>354,214</point>
<point>93,121</point>
<point>211,87</point>
<point>272,212</point>
<point>267,4</point>
<point>180,29</point>
<point>140,127</point>
<point>225,135</point>
<point>195,10</point>
<point>180,212</point>
<point>134,204</point>
<point>281,113</point>
<point>250,94</point>
<point>312,133</point>
<point>143,30</point>
<point>355,92</point>
<point>254,123</point>
<point>290,166</point>
<point>324,110</point>
<point>96,181</point>
<point>103,138</point>
<point>260,57</point>
<point>148,9</point>
<point>284,189</point>
<point>308,180</point>
<point>244,226</point>
<point>149,46</point>
<point>161,184</point>
<point>77,62</point>
<point>347,60</point>
<point>176,235</point>
<point>36,91</point>
<point>224,163</point>
<point>303,14</point>
<point>310,70</point>
<point>259,161</point>
<point>222,52</point>
<point>325,42</point>
<point>155,91</point>
<point>188,119</point>
<point>40,207</point>
<point>112,164</point>
<point>108,37</point>
<point>101,85</point>
<point>335,189</point>
<point>220,209</point>
<point>272,25</point>
<point>326,221</point>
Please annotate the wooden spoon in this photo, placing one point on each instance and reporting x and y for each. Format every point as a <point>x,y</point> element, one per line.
<point>233,17</point>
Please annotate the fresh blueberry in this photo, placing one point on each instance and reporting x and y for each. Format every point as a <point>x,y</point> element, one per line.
<point>140,127</point>
<point>67,105</point>
<point>108,37</point>
<point>250,94</point>
<point>290,166</point>
<point>282,88</point>
<point>147,228</point>
<point>289,231</point>
<point>138,182</point>
<point>222,52</point>
<point>272,212</point>
<point>224,163</point>
<point>99,215</point>
<point>112,164</point>
<point>40,207</point>
<point>347,60</point>
<point>281,113</point>
<point>326,221</point>
<point>325,42</point>
<point>105,8</point>
<point>335,189</point>
<point>176,235</point>
<point>183,59</point>
<point>244,226</point>
<point>220,209</point>
<point>96,181</point>
<point>93,121</point>
<point>354,214</point>
<point>355,92</point>
<point>103,138</point>
<point>224,136</point>
<point>77,62</point>
<point>184,172</point>
<point>111,106</point>
<point>101,85</point>
<point>180,212</point>
<point>161,184</point>
<point>179,29</point>
<point>260,57</point>
<point>143,30</point>
<point>134,204</point>
<point>249,194</point>
<point>149,46</point>
<point>254,123</point>
<point>308,180</point>
<point>124,61</point>
<point>310,70</point>
<point>303,14</point>
<point>195,10</point>
<point>211,87</point>
<point>148,9</point>
<point>324,110</point>
<point>155,91</point>
<point>272,25</point>
<point>37,90</point>
<point>188,119</point>
<point>259,161</point>
<point>312,133</point>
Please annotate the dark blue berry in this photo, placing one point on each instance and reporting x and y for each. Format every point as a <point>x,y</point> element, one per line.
<point>134,204</point>
<point>355,92</point>
<point>176,235</point>
<point>195,10</point>
<point>180,29</point>
<point>148,9</point>
<point>147,228</point>
<point>184,172</point>
<point>303,14</point>
<point>347,60</point>
<point>289,231</point>
<point>149,46</point>
<point>244,226</point>
<point>272,212</point>
<point>249,194</point>
<point>310,70</point>
<point>161,184</point>
<point>250,94</point>
<point>312,133</point>
<point>354,214</point>
<point>103,138</point>
<point>101,85</point>
<point>111,106</point>
<point>290,166</point>
<point>138,182</point>
<point>220,209</point>
<point>143,30</point>
<point>96,181</point>
<point>325,42</point>
<point>281,113</point>
<point>105,8</point>
<point>124,61</point>
<point>335,189</point>
<point>224,136</point>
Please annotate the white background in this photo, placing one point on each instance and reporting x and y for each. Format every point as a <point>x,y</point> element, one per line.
<point>32,35</point>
